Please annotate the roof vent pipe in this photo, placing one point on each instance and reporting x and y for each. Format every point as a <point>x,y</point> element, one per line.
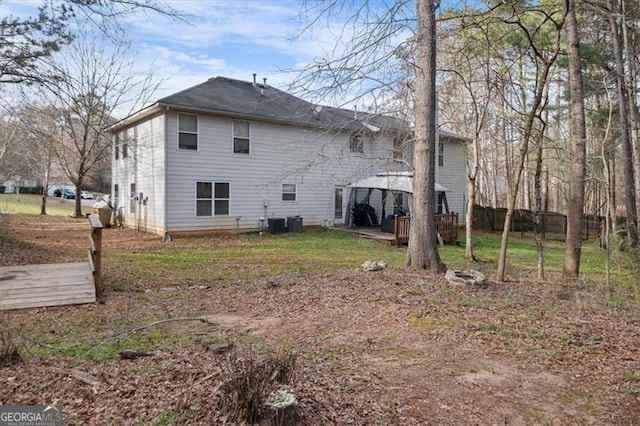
<point>355,111</point>
<point>254,78</point>
<point>264,80</point>
<point>262,91</point>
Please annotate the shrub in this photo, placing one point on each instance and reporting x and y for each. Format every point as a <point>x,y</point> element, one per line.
<point>9,352</point>
<point>249,379</point>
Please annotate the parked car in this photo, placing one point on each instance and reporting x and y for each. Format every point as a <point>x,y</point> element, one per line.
<point>57,193</point>
<point>69,194</point>
<point>86,195</point>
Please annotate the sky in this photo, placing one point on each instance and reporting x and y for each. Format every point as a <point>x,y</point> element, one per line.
<point>231,38</point>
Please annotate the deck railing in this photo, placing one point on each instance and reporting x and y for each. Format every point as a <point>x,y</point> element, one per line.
<point>95,252</point>
<point>446,227</point>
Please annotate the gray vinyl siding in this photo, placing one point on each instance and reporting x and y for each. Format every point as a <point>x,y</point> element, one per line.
<point>145,166</point>
<point>453,175</point>
<point>316,161</point>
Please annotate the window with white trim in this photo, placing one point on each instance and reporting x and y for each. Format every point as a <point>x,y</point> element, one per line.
<point>125,146</point>
<point>241,138</point>
<point>288,192</point>
<point>187,132</point>
<point>221,199</point>
<point>398,149</point>
<point>116,195</point>
<point>441,154</point>
<point>356,143</point>
<point>117,146</point>
<point>212,199</point>
<point>133,200</point>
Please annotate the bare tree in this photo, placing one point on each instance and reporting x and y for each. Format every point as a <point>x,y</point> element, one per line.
<point>41,126</point>
<point>422,252</point>
<point>613,12</point>
<point>543,61</point>
<point>577,165</point>
<point>377,45</point>
<point>11,136</point>
<point>467,67</point>
<point>96,84</point>
<point>27,41</point>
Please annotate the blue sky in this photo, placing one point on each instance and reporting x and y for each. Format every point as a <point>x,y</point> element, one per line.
<point>232,38</point>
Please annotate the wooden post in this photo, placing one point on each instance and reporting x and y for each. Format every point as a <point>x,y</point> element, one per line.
<point>95,252</point>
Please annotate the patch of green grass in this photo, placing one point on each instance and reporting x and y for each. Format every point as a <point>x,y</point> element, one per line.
<point>30,204</point>
<point>631,376</point>
<point>96,350</point>
<point>164,419</point>
<point>495,328</point>
<point>245,257</point>
<point>470,302</point>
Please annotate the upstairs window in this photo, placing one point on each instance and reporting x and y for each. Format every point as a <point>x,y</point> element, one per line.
<point>241,141</point>
<point>398,149</point>
<point>441,154</point>
<point>125,147</point>
<point>117,146</point>
<point>188,132</point>
<point>288,192</point>
<point>356,143</point>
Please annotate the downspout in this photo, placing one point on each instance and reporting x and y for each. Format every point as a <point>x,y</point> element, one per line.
<point>166,163</point>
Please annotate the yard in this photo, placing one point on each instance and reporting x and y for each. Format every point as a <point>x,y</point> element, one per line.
<point>388,347</point>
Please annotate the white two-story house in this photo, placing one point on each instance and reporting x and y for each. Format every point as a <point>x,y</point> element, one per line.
<point>229,155</point>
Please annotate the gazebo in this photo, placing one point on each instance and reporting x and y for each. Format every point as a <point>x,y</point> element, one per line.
<point>384,200</point>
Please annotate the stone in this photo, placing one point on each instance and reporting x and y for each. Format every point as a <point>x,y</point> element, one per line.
<point>461,278</point>
<point>370,265</point>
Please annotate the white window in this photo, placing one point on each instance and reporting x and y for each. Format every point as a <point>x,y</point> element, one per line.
<point>116,195</point>
<point>188,132</point>
<point>441,154</point>
<point>203,198</point>
<point>338,203</point>
<point>398,148</point>
<point>212,198</point>
<point>288,192</point>
<point>356,143</point>
<point>133,200</point>
<point>117,146</point>
<point>125,146</point>
<point>221,199</point>
<point>241,141</point>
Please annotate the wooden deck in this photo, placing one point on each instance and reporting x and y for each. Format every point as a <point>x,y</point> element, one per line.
<point>446,227</point>
<point>32,286</point>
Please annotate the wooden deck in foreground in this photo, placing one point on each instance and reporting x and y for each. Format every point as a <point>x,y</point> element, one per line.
<point>32,286</point>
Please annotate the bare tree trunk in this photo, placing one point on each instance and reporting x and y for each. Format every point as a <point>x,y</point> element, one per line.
<point>573,242</point>
<point>542,80</point>
<point>630,60</point>
<point>423,252</point>
<point>627,156</point>
<point>537,229</point>
<point>471,194</point>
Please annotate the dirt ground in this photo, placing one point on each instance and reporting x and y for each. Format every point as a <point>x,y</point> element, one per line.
<point>387,347</point>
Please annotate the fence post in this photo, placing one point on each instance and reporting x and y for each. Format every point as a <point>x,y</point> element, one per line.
<point>95,252</point>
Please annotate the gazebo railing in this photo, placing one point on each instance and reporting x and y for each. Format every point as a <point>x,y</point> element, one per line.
<point>446,227</point>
